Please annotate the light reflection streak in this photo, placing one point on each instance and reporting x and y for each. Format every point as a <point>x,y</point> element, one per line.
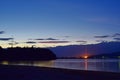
<point>79,64</point>
<point>119,64</point>
<point>86,64</point>
<point>4,62</point>
<point>30,63</point>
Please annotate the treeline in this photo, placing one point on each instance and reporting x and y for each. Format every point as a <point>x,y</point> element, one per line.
<point>115,55</point>
<point>26,54</point>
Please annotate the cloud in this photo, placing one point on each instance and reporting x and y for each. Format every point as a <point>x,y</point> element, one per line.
<point>66,36</point>
<point>2,32</point>
<point>51,39</point>
<point>39,39</point>
<point>55,42</point>
<point>30,42</point>
<point>118,39</point>
<point>46,39</point>
<point>101,41</point>
<point>81,41</point>
<point>6,39</point>
<point>116,35</point>
<point>104,36</point>
<point>14,43</point>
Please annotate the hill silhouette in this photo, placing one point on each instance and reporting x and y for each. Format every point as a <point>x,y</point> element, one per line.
<point>26,54</point>
<point>92,49</point>
<point>106,55</point>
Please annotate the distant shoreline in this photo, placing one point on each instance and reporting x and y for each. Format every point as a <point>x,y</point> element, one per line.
<point>10,72</point>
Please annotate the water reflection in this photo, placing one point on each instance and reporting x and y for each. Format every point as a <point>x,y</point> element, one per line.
<point>43,63</point>
<point>86,64</point>
<point>90,64</point>
<point>79,64</point>
<point>30,63</point>
<point>119,64</point>
<point>4,62</point>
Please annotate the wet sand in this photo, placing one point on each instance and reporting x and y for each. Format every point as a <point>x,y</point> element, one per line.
<point>41,73</point>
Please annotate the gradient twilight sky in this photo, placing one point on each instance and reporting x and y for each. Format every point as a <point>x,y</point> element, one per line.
<point>59,22</point>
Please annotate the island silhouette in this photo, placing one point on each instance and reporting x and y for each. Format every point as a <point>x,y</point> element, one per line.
<point>26,54</point>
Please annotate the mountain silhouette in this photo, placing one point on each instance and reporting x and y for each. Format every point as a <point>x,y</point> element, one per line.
<point>92,49</point>
<point>106,56</point>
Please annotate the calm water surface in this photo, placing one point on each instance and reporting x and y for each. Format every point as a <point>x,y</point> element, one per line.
<point>109,65</point>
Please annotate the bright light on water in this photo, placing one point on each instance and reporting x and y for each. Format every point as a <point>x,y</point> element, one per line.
<point>4,62</point>
<point>110,65</point>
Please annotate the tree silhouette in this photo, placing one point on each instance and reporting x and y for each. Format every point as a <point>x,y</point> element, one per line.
<point>26,54</point>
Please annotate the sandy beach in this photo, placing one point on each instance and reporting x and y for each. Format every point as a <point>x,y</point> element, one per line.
<point>41,73</point>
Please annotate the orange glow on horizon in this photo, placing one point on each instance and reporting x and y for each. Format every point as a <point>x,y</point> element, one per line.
<point>85,57</point>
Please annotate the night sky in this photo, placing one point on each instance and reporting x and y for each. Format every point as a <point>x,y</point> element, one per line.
<point>47,23</point>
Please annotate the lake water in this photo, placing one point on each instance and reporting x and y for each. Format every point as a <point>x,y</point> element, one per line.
<point>109,65</point>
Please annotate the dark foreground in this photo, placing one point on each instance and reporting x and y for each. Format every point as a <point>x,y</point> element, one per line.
<point>40,73</point>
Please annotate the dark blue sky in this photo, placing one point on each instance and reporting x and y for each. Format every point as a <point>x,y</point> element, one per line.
<point>59,22</point>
